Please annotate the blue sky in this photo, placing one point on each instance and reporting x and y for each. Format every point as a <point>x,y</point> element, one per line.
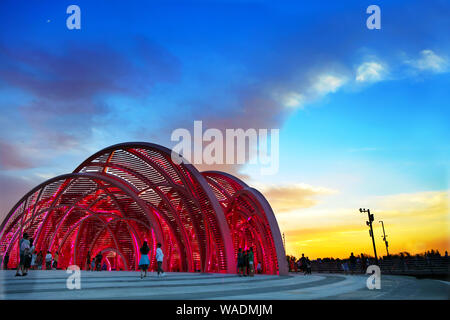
<point>362,113</point>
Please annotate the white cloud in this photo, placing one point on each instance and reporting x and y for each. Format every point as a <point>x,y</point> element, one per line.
<point>328,83</point>
<point>430,61</point>
<point>46,176</point>
<point>322,85</point>
<point>293,100</point>
<point>370,72</point>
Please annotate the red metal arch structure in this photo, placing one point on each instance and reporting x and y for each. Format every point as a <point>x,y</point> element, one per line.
<point>250,218</point>
<point>131,192</point>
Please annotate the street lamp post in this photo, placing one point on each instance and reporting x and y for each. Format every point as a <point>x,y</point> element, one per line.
<point>384,239</point>
<point>369,223</point>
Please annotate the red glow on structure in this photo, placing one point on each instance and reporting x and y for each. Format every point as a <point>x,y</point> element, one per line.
<point>133,192</point>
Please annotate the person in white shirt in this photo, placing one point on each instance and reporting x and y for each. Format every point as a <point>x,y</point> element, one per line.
<point>34,259</point>
<point>259,268</point>
<point>24,246</point>
<point>159,259</point>
<point>48,260</point>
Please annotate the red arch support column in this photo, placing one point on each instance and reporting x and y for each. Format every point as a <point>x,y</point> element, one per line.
<point>231,188</point>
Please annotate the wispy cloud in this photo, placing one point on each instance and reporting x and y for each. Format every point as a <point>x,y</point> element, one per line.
<point>370,71</point>
<point>285,198</point>
<point>328,83</point>
<point>13,158</point>
<point>428,60</point>
<point>429,203</point>
<point>319,86</point>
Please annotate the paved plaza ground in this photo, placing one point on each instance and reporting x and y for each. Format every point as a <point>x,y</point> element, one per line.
<point>128,285</point>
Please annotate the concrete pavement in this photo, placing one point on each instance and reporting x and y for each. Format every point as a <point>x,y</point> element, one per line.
<point>128,285</point>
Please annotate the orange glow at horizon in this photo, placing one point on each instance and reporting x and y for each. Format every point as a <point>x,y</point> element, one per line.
<point>414,223</point>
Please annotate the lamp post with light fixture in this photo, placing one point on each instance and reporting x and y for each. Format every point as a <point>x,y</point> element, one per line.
<point>369,223</point>
<point>384,238</point>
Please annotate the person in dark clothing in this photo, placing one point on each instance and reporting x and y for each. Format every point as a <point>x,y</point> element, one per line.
<point>39,260</point>
<point>251,261</point>
<point>6,261</point>
<point>240,262</point>
<point>28,257</point>
<point>98,261</point>
<point>303,262</point>
<point>352,263</point>
<point>245,263</point>
<point>363,264</point>
<point>55,260</point>
<point>308,266</point>
<point>24,246</point>
<point>144,262</point>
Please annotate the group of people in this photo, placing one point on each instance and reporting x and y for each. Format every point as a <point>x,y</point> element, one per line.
<point>144,262</point>
<point>245,263</point>
<point>29,258</point>
<point>96,263</point>
<point>350,264</point>
<point>301,265</point>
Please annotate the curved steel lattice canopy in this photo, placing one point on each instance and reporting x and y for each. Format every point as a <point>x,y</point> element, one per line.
<point>133,192</point>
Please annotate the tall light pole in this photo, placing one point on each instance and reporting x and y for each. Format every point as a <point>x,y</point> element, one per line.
<point>369,223</point>
<point>384,239</point>
<point>284,242</point>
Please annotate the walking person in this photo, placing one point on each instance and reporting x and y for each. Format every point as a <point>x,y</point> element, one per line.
<point>363,263</point>
<point>144,262</point>
<point>345,266</point>
<point>259,268</point>
<point>29,257</point>
<point>24,246</point>
<point>39,260</point>
<point>93,264</point>
<point>251,260</point>
<point>48,260</point>
<point>98,261</point>
<point>352,263</point>
<point>55,260</point>
<point>308,266</point>
<point>303,263</point>
<point>240,262</point>
<point>6,261</point>
<point>245,263</point>
<point>34,260</point>
<point>159,260</point>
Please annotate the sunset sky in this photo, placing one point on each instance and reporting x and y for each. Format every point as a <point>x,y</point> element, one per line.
<point>363,114</point>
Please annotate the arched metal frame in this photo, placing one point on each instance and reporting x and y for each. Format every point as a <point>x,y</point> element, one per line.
<point>251,220</point>
<point>73,202</point>
<point>131,192</point>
